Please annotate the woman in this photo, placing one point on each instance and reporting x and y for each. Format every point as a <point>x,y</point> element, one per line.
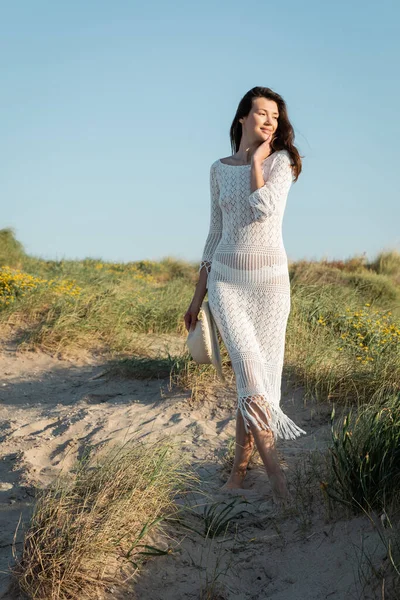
<point>244,267</point>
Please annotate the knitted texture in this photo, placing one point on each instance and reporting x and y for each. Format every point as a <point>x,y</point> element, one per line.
<point>248,284</point>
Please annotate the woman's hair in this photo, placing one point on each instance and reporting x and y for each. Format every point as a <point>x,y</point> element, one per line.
<point>284,135</point>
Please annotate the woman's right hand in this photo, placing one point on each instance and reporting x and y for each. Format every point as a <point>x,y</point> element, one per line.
<point>191,316</point>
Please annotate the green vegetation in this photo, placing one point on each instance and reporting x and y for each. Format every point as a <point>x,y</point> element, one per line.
<point>343,336</point>
<point>90,530</point>
<point>342,344</point>
<point>366,457</point>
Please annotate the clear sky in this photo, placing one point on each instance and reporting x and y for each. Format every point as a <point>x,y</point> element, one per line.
<point>112,113</point>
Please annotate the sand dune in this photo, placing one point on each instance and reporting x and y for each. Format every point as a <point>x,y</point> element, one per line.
<point>51,410</point>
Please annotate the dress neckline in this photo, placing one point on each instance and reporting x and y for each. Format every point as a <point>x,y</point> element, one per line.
<point>248,164</point>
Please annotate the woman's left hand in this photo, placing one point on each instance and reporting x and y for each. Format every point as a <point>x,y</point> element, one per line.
<point>263,151</point>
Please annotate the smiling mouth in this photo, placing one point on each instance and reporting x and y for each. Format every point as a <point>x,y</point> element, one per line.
<point>266,130</point>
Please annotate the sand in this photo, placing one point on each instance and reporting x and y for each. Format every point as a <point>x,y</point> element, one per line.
<point>52,409</point>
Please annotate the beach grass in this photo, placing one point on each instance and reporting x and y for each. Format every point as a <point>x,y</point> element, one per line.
<point>342,346</point>
<point>343,334</point>
<point>91,528</point>
<point>365,457</point>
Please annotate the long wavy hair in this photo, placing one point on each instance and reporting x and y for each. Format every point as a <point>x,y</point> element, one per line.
<point>284,135</point>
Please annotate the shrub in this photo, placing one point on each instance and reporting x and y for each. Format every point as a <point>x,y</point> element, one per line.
<point>387,263</point>
<point>11,251</point>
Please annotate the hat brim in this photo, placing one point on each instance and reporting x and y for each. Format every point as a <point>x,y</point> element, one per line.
<point>211,325</point>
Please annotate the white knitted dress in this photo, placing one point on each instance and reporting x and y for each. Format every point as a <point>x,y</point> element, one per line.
<point>248,283</point>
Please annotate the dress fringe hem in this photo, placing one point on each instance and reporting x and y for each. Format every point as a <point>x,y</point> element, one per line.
<point>274,418</point>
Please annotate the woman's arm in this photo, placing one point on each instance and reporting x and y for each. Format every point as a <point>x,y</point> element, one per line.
<point>215,227</point>
<point>266,196</point>
<point>212,240</point>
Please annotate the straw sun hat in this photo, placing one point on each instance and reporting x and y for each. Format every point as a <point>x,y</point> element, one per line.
<point>202,341</point>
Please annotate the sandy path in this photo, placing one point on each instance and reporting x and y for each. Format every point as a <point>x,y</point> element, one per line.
<point>52,409</point>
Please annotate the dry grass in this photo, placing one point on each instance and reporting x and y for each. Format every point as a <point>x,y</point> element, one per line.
<point>387,262</point>
<point>308,488</point>
<point>201,379</point>
<point>180,370</point>
<point>121,306</point>
<point>89,530</point>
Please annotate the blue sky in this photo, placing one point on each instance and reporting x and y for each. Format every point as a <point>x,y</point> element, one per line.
<point>112,113</point>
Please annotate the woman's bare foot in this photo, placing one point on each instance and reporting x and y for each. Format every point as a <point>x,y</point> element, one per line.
<point>280,493</point>
<point>235,480</point>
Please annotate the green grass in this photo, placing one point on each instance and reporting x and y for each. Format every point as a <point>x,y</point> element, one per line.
<point>366,456</point>
<point>323,349</point>
<point>120,307</point>
<point>11,250</point>
<point>342,344</point>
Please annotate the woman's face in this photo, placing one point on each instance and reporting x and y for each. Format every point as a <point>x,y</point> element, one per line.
<point>261,121</point>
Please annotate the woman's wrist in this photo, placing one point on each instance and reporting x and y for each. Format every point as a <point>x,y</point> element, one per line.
<point>196,302</point>
<point>255,161</point>
<point>258,159</point>
<point>257,177</point>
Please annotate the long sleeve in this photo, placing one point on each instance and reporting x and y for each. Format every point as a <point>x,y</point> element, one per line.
<point>267,199</point>
<point>215,229</point>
